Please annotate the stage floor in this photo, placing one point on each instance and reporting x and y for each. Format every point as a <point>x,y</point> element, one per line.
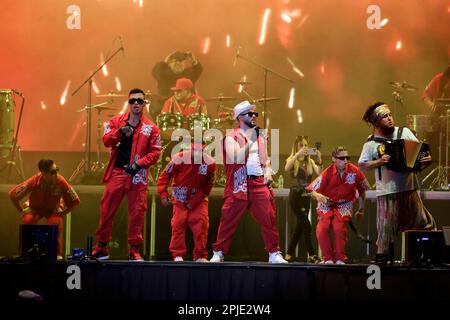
<point>238,281</point>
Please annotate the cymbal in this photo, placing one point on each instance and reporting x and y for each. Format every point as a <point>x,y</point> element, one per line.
<point>111,94</point>
<point>267,99</point>
<point>402,85</point>
<point>220,98</point>
<point>242,82</point>
<point>99,108</point>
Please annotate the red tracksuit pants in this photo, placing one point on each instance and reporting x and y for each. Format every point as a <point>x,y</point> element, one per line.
<point>31,217</point>
<point>332,220</point>
<point>198,221</point>
<point>262,207</point>
<point>113,194</point>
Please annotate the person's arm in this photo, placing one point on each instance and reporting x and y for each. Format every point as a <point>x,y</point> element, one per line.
<point>234,153</point>
<point>70,197</point>
<point>372,164</point>
<point>153,150</point>
<point>361,205</point>
<point>430,103</point>
<point>112,134</point>
<point>365,161</point>
<point>19,192</point>
<point>163,182</point>
<point>320,197</point>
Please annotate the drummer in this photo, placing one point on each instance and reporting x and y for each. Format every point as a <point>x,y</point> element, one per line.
<point>184,100</point>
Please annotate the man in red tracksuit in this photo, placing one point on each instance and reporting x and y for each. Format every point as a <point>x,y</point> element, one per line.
<point>135,145</point>
<point>248,185</point>
<point>335,191</point>
<point>193,174</point>
<point>184,100</point>
<point>46,189</point>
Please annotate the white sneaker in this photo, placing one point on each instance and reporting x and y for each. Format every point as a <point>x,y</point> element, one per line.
<point>327,262</point>
<point>276,257</point>
<point>340,262</point>
<point>178,258</point>
<point>217,257</point>
<point>201,260</point>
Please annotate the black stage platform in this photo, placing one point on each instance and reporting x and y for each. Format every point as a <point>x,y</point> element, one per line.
<point>236,281</point>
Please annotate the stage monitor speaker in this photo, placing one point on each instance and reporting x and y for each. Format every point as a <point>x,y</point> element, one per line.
<point>446,231</point>
<point>39,241</point>
<point>424,247</point>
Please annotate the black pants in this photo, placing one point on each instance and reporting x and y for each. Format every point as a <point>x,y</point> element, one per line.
<point>300,203</point>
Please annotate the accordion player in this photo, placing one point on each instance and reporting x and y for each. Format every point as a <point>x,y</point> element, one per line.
<point>405,155</point>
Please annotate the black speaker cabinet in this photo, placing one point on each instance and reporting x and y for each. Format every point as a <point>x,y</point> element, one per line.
<point>424,246</point>
<point>39,241</point>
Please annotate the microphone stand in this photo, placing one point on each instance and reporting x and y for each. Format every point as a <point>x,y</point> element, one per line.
<point>266,71</point>
<point>11,162</point>
<point>86,162</point>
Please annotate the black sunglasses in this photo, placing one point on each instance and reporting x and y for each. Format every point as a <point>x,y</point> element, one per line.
<point>138,101</point>
<point>343,158</point>
<point>251,114</point>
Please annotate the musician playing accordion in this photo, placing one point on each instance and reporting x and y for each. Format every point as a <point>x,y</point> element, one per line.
<point>399,206</point>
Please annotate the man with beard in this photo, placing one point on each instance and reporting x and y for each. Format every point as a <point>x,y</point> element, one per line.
<point>184,100</point>
<point>399,206</point>
<point>248,185</point>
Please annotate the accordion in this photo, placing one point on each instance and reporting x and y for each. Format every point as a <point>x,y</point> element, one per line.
<point>405,155</point>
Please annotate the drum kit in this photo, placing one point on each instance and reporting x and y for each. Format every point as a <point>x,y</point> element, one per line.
<point>426,127</point>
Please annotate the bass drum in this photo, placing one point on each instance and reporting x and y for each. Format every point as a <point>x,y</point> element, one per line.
<point>169,121</point>
<point>198,121</point>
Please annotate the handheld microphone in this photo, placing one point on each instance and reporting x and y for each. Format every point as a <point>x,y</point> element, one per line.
<point>237,55</point>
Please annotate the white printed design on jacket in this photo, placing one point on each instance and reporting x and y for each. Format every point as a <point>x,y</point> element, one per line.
<point>141,176</point>
<point>106,128</point>
<point>240,180</point>
<point>179,193</point>
<point>203,169</point>
<point>146,129</point>
<point>350,178</point>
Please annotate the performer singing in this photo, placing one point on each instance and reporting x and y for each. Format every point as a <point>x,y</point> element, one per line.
<point>335,191</point>
<point>184,99</point>
<point>193,174</point>
<point>50,196</point>
<point>399,206</point>
<point>135,145</point>
<point>248,185</point>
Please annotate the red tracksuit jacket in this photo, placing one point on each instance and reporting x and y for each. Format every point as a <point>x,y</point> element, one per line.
<point>44,200</point>
<point>192,183</point>
<point>145,149</point>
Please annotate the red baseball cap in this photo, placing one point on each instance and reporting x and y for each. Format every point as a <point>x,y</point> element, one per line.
<point>183,83</point>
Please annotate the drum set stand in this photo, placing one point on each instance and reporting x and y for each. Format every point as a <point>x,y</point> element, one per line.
<point>441,181</point>
<point>10,156</point>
